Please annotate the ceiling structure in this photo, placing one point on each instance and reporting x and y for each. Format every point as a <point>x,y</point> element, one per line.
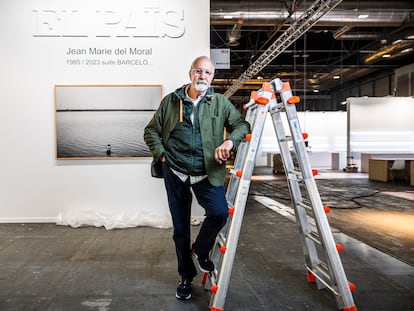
<point>352,40</point>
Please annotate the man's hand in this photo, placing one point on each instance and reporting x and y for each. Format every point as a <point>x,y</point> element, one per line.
<point>222,152</point>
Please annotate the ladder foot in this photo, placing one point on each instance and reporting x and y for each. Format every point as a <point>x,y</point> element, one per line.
<point>352,287</point>
<point>216,309</point>
<point>352,308</point>
<point>311,278</point>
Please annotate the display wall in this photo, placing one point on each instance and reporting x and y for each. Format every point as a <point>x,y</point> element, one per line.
<point>381,124</point>
<point>327,133</point>
<point>46,43</point>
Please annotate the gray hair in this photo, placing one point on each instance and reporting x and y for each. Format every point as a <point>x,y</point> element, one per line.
<point>193,64</point>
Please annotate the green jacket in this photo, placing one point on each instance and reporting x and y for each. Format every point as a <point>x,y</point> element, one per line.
<point>216,113</point>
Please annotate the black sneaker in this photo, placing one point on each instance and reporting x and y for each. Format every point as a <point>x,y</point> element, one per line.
<point>204,263</point>
<point>184,289</point>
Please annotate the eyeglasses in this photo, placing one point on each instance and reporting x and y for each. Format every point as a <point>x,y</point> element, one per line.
<point>200,71</point>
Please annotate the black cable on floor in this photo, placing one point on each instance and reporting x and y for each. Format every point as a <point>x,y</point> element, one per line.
<point>364,196</point>
<point>356,202</point>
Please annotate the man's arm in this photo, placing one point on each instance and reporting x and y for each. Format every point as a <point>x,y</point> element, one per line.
<point>153,135</point>
<point>222,152</point>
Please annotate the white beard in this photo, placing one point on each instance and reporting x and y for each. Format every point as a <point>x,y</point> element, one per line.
<point>201,85</point>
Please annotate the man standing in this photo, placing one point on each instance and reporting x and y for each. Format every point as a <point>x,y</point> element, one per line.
<point>186,139</point>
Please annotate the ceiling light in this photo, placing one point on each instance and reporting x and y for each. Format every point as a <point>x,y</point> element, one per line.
<point>386,56</point>
<point>363,16</point>
<point>233,41</point>
<point>336,77</point>
<point>316,91</point>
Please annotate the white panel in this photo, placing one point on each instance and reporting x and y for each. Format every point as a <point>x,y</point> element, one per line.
<point>326,131</point>
<point>41,45</point>
<point>381,124</point>
<point>220,58</point>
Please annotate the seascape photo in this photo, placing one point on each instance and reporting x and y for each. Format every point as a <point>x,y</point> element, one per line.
<point>103,121</point>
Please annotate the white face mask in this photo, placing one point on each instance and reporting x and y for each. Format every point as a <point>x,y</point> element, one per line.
<point>201,85</point>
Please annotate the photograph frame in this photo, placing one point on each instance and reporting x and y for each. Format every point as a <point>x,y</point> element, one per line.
<point>103,121</point>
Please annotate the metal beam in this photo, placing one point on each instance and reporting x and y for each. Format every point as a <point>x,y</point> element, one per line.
<point>309,18</point>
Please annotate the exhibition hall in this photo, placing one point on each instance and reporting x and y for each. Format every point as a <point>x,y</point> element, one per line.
<point>207,155</point>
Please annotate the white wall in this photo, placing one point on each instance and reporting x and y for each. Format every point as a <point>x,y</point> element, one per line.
<point>381,124</point>
<point>326,130</point>
<point>35,38</point>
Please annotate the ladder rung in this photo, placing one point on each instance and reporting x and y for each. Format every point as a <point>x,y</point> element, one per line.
<point>278,107</point>
<point>212,277</point>
<point>221,239</point>
<point>304,205</point>
<point>314,237</point>
<point>294,172</point>
<point>323,270</point>
<point>286,139</point>
<point>323,279</point>
<point>295,176</point>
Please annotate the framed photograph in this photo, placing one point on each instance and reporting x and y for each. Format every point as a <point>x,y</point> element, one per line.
<point>103,121</point>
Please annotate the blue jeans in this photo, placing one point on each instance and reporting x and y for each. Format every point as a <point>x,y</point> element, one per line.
<point>212,199</point>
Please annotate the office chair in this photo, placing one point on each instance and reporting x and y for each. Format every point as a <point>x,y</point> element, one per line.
<point>398,166</point>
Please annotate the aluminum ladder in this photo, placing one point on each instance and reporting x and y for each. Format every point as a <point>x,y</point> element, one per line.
<point>315,234</point>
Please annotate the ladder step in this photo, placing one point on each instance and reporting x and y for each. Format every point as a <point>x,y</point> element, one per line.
<point>321,270</point>
<point>296,176</point>
<point>314,236</point>
<point>212,278</point>
<point>221,239</point>
<point>286,139</point>
<point>326,208</point>
<point>304,205</point>
<point>278,107</point>
<point>324,278</point>
<point>295,172</point>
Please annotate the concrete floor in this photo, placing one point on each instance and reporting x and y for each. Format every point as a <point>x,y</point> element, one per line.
<point>48,267</point>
